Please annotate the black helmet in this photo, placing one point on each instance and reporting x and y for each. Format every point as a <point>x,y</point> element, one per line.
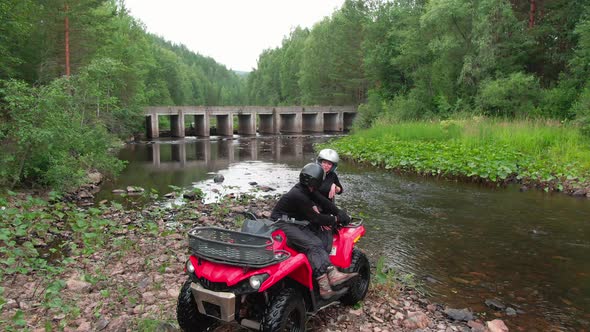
<point>311,175</point>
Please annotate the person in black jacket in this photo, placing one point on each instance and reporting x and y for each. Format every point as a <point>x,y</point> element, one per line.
<point>328,159</point>
<point>298,216</point>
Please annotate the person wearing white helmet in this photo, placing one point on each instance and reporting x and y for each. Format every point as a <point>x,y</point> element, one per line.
<point>297,215</point>
<point>329,159</point>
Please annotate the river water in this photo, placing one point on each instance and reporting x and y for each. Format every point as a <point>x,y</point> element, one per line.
<point>462,243</point>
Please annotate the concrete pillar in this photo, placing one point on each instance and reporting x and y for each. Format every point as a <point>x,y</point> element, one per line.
<point>225,151</point>
<point>277,148</point>
<point>177,124</point>
<point>152,126</point>
<point>225,125</point>
<point>203,150</point>
<point>155,154</point>
<point>247,124</point>
<point>298,148</point>
<point>179,153</point>
<point>276,121</point>
<point>254,149</point>
<point>298,125</point>
<point>202,125</point>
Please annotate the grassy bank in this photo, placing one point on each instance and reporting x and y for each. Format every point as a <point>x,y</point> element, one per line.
<point>548,155</point>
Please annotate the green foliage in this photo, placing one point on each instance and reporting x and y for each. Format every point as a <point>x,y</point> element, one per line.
<point>383,275</point>
<point>369,112</point>
<point>550,154</point>
<point>513,96</point>
<point>54,131</point>
<point>582,110</point>
<point>47,139</point>
<point>30,230</point>
<point>435,59</point>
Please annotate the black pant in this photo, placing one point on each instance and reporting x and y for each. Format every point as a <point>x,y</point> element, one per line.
<point>311,240</point>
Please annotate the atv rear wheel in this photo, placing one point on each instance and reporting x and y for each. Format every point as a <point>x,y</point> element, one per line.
<point>285,312</point>
<point>360,285</point>
<point>187,314</point>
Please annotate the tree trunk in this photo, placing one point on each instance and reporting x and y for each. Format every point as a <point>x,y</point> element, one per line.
<point>67,41</point>
<point>532,11</point>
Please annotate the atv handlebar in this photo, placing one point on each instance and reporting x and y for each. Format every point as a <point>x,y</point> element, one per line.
<point>354,222</point>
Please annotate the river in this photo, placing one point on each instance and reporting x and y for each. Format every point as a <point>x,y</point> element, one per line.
<point>462,243</point>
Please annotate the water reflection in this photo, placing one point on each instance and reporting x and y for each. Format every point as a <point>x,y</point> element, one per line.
<point>193,162</point>
<point>205,153</point>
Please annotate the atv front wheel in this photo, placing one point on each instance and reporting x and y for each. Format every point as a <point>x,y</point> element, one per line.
<point>285,312</point>
<point>360,285</point>
<point>187,314</point>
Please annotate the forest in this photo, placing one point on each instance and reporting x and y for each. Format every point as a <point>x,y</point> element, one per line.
<point>75,74</point>
<point>415,59</point>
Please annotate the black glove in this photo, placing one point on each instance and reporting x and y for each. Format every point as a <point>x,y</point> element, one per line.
<point>343,218</point>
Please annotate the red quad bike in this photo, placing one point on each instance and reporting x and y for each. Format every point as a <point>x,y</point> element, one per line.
<point>253,279</point>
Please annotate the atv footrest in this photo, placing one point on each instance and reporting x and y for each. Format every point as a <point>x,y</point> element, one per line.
<point>234,248</point>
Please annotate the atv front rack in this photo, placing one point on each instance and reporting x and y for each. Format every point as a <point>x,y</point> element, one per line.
<point>234,248</point>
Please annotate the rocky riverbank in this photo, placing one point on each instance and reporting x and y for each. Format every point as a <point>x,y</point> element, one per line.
<point>132,282</point>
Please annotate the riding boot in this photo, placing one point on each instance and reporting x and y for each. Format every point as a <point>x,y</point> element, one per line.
<point>336,277</point>
<point>326,290</point>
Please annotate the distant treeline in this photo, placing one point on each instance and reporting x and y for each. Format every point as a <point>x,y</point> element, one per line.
<point>417,59</point>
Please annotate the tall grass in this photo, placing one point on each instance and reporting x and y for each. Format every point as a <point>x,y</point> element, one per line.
<point>551,154</point>
<point>548,140</point>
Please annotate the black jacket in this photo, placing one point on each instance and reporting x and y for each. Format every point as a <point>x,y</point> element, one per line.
<point>298,203</point>
<point>331,177</point>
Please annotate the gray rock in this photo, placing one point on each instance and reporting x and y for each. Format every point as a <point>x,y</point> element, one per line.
<point>166,327</point>
<point>579,192</point>
<point>510,311</point>
<point>495,304</point>
<point>459,314</point>
<point>102,324</point>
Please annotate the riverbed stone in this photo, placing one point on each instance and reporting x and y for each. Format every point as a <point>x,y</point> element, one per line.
<point>495,304</point>
<point>510,311</point>
<point>218,178</point>
<point>476,326</point>
<point>416,320</point>
<point>497,325</point>
<point>78,285</point>
<point>459,314</point>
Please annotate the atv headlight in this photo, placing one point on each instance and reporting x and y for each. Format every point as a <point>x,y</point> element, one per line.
<point>189,267</point>
<point>257,280</point>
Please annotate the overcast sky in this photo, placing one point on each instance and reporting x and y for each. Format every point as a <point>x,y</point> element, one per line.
<point>233,32</point>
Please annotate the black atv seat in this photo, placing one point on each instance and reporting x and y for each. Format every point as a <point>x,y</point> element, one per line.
<point>258,226</point>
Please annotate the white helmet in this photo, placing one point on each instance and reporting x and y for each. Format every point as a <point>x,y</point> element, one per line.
<point>329,155</point>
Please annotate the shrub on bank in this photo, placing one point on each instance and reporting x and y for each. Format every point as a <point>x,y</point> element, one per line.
<point>550,155</point>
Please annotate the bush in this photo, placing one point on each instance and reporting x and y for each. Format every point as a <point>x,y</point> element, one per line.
<point>413,106</point>
<point>47,139</point>
<point>514,96</point>
<point>582,110</point>
<point>369,112</point>
<point>557,102</point>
